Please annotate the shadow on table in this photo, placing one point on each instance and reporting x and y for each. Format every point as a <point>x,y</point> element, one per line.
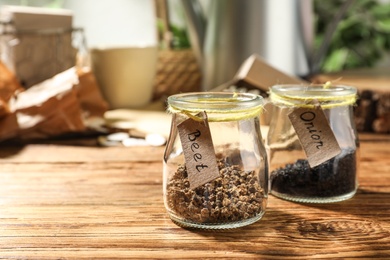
<point>90,140</point>
<point>10,150</point>
<point>13,147</point>
<point>366,204</point>
<point>276,228</point>
<point>280,233</point>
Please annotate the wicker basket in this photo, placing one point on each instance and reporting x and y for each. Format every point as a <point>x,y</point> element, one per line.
<point>177,72</point>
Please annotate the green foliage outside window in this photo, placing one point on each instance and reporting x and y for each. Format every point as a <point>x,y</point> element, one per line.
<point>361,38</point>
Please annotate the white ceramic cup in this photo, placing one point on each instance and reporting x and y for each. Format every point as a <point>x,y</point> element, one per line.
<point>125,74</point>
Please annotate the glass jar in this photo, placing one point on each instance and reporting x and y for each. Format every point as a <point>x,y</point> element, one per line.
<point>237,195</point>
<point>291,176</point>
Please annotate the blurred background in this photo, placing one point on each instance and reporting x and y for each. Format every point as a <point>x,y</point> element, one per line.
<point>143,51</point>
<point>361,38</point>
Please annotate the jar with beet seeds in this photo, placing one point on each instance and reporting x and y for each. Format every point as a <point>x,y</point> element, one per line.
<point>215,163</point>
<point>313,143</point>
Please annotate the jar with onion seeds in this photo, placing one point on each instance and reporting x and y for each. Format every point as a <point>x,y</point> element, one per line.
<point>313,143</point>
<point>215,163</point>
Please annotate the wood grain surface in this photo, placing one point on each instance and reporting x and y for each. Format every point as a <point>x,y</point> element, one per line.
<point>68,201</point>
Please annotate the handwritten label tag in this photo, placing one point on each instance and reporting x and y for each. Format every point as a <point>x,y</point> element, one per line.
<point>315,134</point>
<point>198,150</point>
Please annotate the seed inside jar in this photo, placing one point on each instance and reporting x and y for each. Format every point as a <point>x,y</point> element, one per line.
<point>235,195</point>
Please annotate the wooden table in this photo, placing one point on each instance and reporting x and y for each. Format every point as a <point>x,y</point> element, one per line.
<point>76,200</point>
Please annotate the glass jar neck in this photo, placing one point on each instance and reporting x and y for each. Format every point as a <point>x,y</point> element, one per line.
<point>313,95</point>
<point>219,106</point>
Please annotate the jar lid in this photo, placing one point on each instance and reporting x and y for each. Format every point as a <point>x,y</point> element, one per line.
<point>229,106</point>
<point>326,95</point>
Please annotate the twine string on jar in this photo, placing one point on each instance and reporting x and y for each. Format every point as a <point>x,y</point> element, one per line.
<point>326,101</point>
<point>230,113</point>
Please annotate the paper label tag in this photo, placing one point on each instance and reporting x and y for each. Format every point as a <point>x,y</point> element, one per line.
<point>198,149</point>
<point>315,134</point>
